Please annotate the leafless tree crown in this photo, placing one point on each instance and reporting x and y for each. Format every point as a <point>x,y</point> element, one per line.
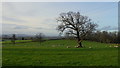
<point>75,24</point>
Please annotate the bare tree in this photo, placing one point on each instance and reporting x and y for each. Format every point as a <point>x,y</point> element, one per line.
<point>75,24</point>
<point>39,37</point>
<point>13,39</point>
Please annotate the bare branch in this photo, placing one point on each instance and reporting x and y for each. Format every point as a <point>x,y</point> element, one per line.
<point>78,24</point>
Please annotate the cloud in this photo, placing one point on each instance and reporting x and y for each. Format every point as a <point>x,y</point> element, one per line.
<point>37,28</point>
<point>44,24</point>
<point>50,22</point>
<point>21,27</point>
<point>12,19</point>
<point>14,26</point>
<point>8,26</point>
<point>109,28</point>
<point>33,18</point>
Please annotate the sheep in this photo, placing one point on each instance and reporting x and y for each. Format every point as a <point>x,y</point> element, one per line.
<point>77,46</point>
<point>68,46</point>
<point>116,46</point>
<point>89,47</point>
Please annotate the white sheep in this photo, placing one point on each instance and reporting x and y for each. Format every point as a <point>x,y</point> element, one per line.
<point>68,46</point>
<point>89,47</point>
<point>77,46</point>
<point>116,46</point>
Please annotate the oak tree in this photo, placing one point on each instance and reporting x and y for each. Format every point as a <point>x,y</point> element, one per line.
<point>75,24</point>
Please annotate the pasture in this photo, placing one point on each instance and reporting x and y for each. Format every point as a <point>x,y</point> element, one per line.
<point>56,53</point>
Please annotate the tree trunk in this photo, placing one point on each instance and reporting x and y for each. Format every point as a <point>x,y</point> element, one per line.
<point>79,40</point>
<point>13,39</point>
<point>80,44</point>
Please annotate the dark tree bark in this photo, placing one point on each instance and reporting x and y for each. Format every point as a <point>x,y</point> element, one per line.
<point>13,39</point>
<point>80,44</point>
<point>79,40</point>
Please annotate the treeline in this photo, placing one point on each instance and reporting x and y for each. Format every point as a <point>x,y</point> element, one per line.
<point>103,37</point>
<point>100,36</point>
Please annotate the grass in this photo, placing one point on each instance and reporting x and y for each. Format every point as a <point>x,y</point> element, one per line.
<point>17,41</point>
<point>56,53</point>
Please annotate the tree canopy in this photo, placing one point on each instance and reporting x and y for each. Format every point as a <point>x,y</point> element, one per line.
<point>75,24</point>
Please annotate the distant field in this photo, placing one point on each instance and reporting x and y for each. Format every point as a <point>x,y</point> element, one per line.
<point>17,41</point>
<point>56,53</point>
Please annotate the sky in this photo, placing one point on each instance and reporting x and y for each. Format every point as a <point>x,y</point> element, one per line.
<point>35,17</point>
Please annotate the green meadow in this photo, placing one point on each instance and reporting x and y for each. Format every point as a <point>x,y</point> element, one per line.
<point>56,53</point>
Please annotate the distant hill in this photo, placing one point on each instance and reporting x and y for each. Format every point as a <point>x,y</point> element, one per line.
<point>17,35</point>
<point>25,35</point>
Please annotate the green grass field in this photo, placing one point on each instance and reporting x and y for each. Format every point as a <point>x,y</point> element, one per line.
<point>56,53</point>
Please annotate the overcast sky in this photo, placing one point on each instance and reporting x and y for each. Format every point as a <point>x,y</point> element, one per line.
<point>35,17</point>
